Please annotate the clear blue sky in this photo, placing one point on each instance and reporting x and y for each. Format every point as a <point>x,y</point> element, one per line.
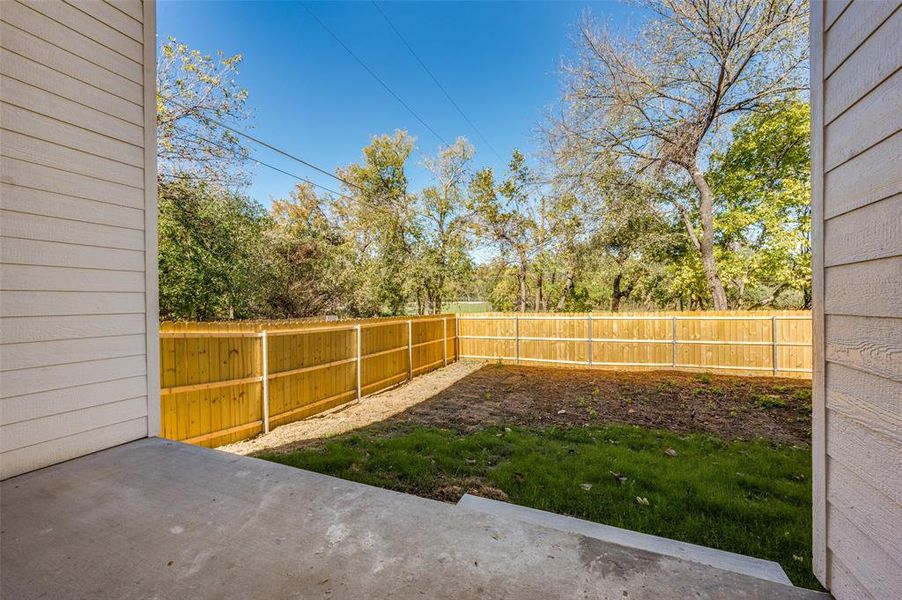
<point>500,62</point>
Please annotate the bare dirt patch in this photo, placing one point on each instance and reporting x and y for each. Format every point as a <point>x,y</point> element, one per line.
<point>469,396</point>
<point>732,408</point>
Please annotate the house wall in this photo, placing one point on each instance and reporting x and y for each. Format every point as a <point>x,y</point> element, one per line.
<point>78,317</point>
<point>856,89</point>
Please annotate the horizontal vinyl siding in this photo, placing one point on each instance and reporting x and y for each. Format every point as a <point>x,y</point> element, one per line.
<point>41,354</point>
<point>63,206</point>
<point>61,181</point>
<point>64,27</point>
<point>53,229</point>
<point>40,328</point>
<point>41,152</point>
<point>72,65</point>
<point>862,297</point>
<point>112,16</point>
<point>849,494</point>
<point>865,68</point>
<point>46,128</point>
<point>61,376</point>
<point>873,232</point>
<point>81,397</point>
<point>844,139</point>
<point>853,28</point>
<point>881,279</point>
<point>46,429</point>
<point>73,298</point>
<point>49,304</point>
<point>17,251</point>
<point>878,571</point>
<point>30,72</point>
<point>40,455</point>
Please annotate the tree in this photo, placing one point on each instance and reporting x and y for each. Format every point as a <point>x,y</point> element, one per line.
<point>212,253</point>
<point>444,239</point>
<point>376,212</point>
<point>195,93</point>
<point>659,101</point>
<point>761,184</point>
<point>569,232</point>
<point>503,213</point>
<point>310,257</point>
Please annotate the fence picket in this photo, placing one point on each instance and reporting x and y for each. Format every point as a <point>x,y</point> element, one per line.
<point>223,382</point>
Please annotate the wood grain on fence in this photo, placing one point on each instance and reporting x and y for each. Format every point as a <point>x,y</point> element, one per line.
<point>214,392</point>
<point>741,343</point>
<point>212,374</point>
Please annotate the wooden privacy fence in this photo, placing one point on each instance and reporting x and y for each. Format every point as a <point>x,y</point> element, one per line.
<point>743,343</point>
<point>224,382</point>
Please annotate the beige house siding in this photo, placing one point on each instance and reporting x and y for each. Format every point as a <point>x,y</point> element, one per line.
<point>78,316</point>
<point>857,210</point>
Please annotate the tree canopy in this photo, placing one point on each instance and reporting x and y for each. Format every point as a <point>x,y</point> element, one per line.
<point>675,179</point>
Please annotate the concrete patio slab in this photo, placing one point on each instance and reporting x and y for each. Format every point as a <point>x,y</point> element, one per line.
<point>159,519</point>
<point>729,561</point>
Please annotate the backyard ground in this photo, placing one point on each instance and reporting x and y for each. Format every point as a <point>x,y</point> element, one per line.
<point>713,460</point>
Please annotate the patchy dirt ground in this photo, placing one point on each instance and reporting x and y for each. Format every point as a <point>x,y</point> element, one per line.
<point>469,396</point>
<point>726,406</point>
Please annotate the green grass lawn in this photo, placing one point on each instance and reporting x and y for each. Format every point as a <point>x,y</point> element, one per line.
<point>753,498</point>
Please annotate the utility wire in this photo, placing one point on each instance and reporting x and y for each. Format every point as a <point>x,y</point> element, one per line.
<point>260,162</point>
<point>275,168</point>
<point>436,81</point>
<point>374,75</point>
<point>267,145</point>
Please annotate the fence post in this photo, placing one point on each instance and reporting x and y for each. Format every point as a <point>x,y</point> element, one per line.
<point>773,341</point>
<point>359,361</point>
<point>265,343</point>
<point>517,338</point>
<point>457,337</point>
<point>673,343</point>
<point>409,349</point>
<point>445,340</point>
<point>590,339</point>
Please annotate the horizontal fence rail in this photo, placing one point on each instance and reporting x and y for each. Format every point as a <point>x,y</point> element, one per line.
<point>752,343</point>
<point>224,382</point>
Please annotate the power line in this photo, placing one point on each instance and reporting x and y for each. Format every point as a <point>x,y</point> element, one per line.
<point>267,145</point>
<point>374,75</point>
<point>265,164</point>
<point>436,81</point>
<point>254,159</point>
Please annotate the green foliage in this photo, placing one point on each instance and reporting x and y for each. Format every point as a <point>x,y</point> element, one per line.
<point>443,234</point>
<point>311,260</point>
<point>753,498</point>
<point>762,187</point>
<point>212,254</point>
<point>770,401</point>
<point>577,232</point>
<point>378,219</point>
<point>194,91</point>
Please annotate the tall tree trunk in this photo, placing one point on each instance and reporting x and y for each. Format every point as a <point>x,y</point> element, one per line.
<point>616,294</point>
<point>540,280</point>
<point>568,287</point>
<point>521,276</point>
<point>620,293</point>
<point>705,243</point>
